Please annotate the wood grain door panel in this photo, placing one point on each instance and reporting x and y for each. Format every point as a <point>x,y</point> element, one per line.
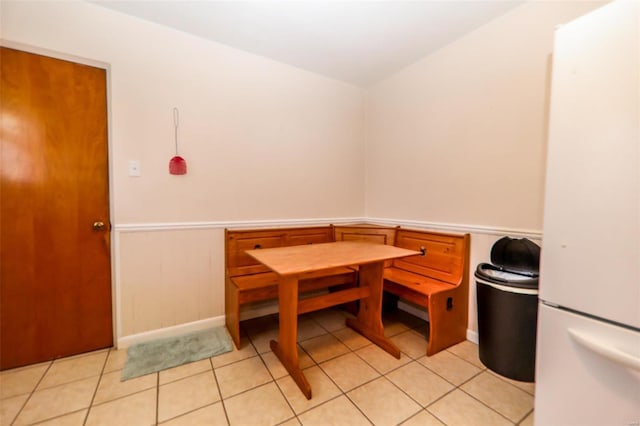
<point>55,290</point>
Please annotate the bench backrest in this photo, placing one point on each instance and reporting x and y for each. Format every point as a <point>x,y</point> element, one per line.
<point>238,262</point>
<point>368,233</point>
<point>446,255</point>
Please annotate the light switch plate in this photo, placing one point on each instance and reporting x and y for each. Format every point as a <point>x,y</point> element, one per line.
<point>134,168</point>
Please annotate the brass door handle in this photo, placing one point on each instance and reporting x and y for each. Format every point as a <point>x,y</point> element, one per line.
<point>98,226</point>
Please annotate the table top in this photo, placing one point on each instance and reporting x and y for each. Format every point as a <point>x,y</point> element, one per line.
<point>315,257</point>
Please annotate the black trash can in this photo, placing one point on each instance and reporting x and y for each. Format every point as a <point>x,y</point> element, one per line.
<point>507,292</point>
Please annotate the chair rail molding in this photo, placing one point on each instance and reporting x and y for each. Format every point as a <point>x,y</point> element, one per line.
<point>238,224</point>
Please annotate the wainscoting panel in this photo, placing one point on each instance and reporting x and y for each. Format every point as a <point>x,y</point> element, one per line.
<point>169,277</point>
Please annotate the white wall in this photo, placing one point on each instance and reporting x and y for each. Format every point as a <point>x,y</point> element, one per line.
<point>459,137</point>
<point>457,140</point>
<point>262,140</point>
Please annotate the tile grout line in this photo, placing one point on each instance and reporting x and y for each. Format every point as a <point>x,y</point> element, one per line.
<point>482,402</point>
<point>31,393</point>
<point>95,392</point>
<point>157,397</point>
<point>490,408</point>
<point>224,407</point>
<point>525,416</point>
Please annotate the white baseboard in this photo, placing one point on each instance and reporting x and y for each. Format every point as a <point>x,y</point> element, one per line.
<point>176,330</point>
<point>472,336</point>
<point>413,310</point>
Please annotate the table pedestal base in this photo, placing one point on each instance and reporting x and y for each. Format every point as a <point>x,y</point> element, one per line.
<point>377,338</point>
<point>293,369</point>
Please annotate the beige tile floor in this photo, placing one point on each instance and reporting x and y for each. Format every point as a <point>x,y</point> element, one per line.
<point>353,382</point>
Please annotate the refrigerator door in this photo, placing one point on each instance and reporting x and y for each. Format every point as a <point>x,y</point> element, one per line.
<point>587,371</point>
<point>591,234</point>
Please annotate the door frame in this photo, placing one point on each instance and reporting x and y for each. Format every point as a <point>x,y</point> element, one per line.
<point>114,244</point>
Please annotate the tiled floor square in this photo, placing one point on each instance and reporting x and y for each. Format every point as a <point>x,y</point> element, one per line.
<point>469,352</point>
<point>458,408</point>
<point>185,395</point>
<point>137,409</point>
<point>423,418</point>
<point>322,388</point>
<point>324,347</point>
<point>268,407</point>
<point>211,415</point>
<point>331,319</point>
<point>528,421</point>
<point>420,383</point>
<point>383,403</point>
<point>452,368</point>
<point>70,369</point>
<point>511,402</point>
<point>261,339</point>
<point>276,368</point>
<point>55,401</point>
<point>393,328</point>
<point>351,338</point>
<point>184,370</point>
<point>116,360</point>
<point>111,387</point>
<point>9,408</point>
<point>349,371</point>
<point>291,422</point>
<point>246,351</point>
<point>241,376</point>
<point>308,328</point>
<point>528,387</point>
<point>405,318</point>
<point>411,343</point>
<point>334,413</point>
<point>21,380</point>
<point>382,361</point>
<point>72,419</point>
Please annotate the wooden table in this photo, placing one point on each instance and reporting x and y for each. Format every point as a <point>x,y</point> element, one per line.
<point>292,263</point>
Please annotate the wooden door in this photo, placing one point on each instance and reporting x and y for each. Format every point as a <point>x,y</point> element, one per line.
<point>55,273</point>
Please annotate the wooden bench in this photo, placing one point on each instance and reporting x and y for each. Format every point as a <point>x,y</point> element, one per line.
<point>248,281</point>
<point>437,280</point>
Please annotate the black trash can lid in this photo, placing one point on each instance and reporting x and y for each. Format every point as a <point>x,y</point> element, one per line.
<point>516,255</point>
<point>498,275</point>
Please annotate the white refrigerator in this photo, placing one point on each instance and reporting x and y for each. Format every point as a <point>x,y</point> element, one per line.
<point>588,342</point>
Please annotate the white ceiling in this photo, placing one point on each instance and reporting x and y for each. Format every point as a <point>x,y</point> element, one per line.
<point>359,42</point>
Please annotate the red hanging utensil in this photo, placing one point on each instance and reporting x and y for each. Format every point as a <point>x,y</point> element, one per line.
<point>177,165</point>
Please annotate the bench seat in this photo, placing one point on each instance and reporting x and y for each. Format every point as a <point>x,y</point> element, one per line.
<point>413,287</point>
<point>264,286</point>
